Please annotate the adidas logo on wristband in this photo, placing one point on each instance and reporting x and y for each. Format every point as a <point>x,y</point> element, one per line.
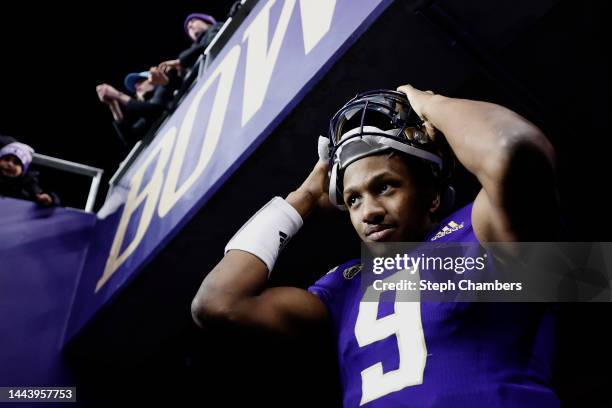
<point>283,240</point>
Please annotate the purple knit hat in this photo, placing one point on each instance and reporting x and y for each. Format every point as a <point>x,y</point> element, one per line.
<point>204,17</point>
<point>20,150</point>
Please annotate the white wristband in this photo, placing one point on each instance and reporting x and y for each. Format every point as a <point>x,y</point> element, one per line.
<point>268,231</point>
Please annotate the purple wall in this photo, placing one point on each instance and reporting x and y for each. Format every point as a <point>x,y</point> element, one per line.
<point>41,255</point>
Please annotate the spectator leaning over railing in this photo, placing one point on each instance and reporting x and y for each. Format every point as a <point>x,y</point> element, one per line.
<point>201,29</point>
<point>134,116</point>
<point>16,180</point>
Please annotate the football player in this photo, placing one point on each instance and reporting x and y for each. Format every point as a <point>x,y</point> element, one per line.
<point>386,164</point>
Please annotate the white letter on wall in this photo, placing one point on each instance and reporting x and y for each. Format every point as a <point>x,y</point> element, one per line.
<point>149,194</point>
<point>316,21</point>
<point>261,59</point>
<point>226,71</point>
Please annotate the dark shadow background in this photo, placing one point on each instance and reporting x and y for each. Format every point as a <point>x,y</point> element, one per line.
<point>547,60</point>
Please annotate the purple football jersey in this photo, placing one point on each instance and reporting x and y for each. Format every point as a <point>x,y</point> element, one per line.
<point>435,354</point>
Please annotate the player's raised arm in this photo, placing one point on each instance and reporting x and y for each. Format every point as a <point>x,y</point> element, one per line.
<point>236,292</point>
<point>510,156</point>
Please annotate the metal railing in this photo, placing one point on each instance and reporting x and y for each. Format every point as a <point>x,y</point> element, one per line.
<point>76,168</point>
<point>227,30</point>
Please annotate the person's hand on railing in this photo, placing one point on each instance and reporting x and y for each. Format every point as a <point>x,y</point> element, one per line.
<point>169,65</point>
<point>158,77</point>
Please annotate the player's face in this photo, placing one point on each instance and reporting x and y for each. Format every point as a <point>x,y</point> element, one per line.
<point>384,201</point>
<point>10,166</point>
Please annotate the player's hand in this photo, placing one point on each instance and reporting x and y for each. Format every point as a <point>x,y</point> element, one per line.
<point>418,100</point>
<point>313,193</point>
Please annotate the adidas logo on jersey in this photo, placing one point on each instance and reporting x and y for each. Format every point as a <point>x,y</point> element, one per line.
<point>448,229</point>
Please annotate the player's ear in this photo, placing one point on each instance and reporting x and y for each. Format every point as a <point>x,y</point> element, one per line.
<point>435,203</point>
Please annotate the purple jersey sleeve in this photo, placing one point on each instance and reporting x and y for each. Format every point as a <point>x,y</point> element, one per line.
<point>329,287</point>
